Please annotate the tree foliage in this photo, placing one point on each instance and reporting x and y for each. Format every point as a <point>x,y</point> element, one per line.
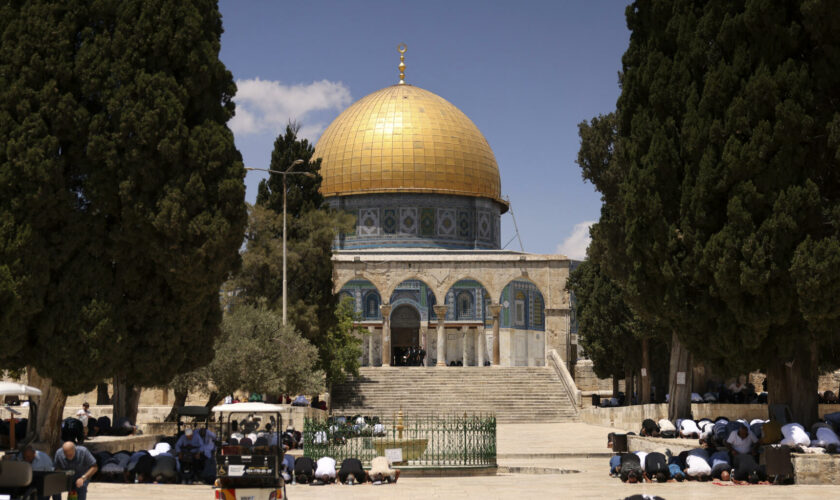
<point>121,191</point>
<point>312,227</point>
<point>606,324</point>
<point>256,353</point>
<point>720,187</point>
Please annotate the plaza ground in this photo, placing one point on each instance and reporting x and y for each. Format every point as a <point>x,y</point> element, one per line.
<point>576,453</point>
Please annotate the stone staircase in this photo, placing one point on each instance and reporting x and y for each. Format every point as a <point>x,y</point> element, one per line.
<point>515,395</point>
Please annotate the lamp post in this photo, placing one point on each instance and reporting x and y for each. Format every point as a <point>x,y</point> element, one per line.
<point>284,173</point>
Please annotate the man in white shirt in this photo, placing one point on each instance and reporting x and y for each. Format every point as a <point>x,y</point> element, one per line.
<point>666,428</point>
<point>84,416</point>
<point>826,438</point>
<point>795,435</point>
<point>689,429</point>
<point>742,441</point>
<point>325,470</point>
<point>697,465</point>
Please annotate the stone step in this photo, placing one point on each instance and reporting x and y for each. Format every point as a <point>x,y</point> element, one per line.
<point>512,394</point>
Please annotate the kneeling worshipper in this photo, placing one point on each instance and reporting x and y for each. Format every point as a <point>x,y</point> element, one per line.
<point>656,467</point>
<point>351,471</point>
<point>325,470</point>
<point>380,470</point>
<point>746,470</point>
<point>689,429</point>
<point>667,429</point>
<point>795,435</point>
<point>742,441</point>
<point>631,468</point>
<point>304,470</point>
<point>697,464</point>
<point>719,462</point>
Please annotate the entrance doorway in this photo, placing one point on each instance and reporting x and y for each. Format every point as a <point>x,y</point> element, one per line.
<point>405,335</point>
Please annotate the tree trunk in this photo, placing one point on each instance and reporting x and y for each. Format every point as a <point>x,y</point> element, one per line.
<point>50,411</point>
<point>126,400</point>
<point>679,381</point>
<point>213,399</point>
<point>644,391</point>
<point>615,386</point>
<point>102,397</point>
<point>180,400</point>
<point>795,384</point>
<point>628,386</point>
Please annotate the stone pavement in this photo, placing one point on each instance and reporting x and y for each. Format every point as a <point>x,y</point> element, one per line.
<point>575,452</point>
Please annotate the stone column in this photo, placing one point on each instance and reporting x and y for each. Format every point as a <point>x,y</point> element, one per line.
<point>495,310</point>
<point>464,331</point>
<point>480,345</point>
<point>372,331</point>
<point>385,309</point>
<point>424,343</point>
<point>440,311</point>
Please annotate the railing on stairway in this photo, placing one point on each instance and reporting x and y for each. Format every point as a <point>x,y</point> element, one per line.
<point>424,441</point>
<point>566,379</point>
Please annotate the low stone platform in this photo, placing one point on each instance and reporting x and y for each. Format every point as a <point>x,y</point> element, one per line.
<point>808,468</point>
<point>113,444</point>
<point>649,444</point>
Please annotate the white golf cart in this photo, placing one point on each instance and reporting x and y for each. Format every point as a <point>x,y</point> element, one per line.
<point>247,470</point>
<point>18,420</point>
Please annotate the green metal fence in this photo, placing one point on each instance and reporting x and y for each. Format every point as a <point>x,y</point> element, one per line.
<point>423,441</point>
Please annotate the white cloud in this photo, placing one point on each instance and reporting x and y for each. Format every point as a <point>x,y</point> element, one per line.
<point>267,106</point>
<point>576,244</point>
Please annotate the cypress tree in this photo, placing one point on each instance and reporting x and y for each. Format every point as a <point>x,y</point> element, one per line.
<point>720,190</point>
<point>121,190</point>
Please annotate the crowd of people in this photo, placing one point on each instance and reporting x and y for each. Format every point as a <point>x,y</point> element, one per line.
<point>305,470</point>
<point>84,425</point>
<point>728,450</point>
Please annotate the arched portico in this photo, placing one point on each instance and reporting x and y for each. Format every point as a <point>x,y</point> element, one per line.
<point>494,271</point>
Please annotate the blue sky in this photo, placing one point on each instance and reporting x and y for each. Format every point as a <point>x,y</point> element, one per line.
<point>526,72</point>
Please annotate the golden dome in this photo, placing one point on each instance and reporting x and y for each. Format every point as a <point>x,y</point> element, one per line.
<point>403,139</point>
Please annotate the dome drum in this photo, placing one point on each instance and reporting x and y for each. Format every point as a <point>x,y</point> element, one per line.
<point>417,220</point>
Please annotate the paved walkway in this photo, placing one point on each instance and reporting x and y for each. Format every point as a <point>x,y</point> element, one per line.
<point>574,450</point>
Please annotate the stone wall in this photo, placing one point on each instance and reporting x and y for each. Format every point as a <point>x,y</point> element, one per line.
<point>816,469</point>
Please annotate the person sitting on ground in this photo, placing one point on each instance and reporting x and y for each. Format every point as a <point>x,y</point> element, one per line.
<point>720,464</point>
<point>84,416</point>
<point>697,465</point>
<point>746,470</point>
<point>649,428</point>
<point>630,470</point>
<point>39,460</point>
<point>304,470</point>
<point>742,441</point>
<point>795,435</point>
<point>689,429</point>
<point>325,470</point>
<point>300,401</point>
<point>79,460</point>
<point>667,429</point>
<point>351,471</point>
<point>656,467</point>
<point>380,470</point>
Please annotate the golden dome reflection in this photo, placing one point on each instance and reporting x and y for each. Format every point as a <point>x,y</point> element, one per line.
<point>403,139</point>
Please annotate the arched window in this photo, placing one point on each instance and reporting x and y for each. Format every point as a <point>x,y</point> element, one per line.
<point>372,305</point>
<point>537,311</point>
<point>519,309</point>
<point>465,305</point>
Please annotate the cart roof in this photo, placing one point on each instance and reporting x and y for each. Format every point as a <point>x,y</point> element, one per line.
<point>15,389</point>
<point>194,411</point>
<point>249,408</point>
